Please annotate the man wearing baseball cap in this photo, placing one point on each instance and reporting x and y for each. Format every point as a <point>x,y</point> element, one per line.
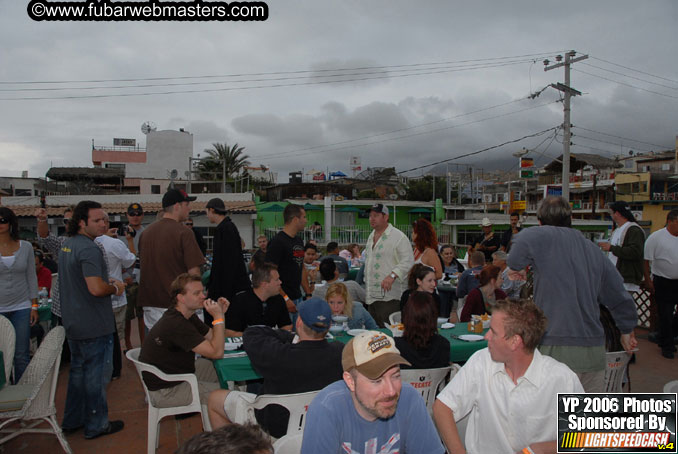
<point>388,259</point>
<point>167,249</point>
<point>287,365</point>
<point>229,274</point>
<point>371,410</point>
<point>135,216</point>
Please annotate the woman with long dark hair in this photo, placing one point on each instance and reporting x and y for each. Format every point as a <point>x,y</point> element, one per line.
<point>18,287</point>
<point>426,246</point>
<point>421,278</point>
<point>421,344</point>
<point>480,300</point>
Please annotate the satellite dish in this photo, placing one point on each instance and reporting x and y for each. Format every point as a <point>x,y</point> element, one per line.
<point>402,192</point>
<point>148,126</point>
<point>393,196</point>
<point>521,153</point>
<point>173,174</point>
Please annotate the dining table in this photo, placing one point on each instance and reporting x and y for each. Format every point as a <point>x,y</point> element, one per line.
<point>236,366</point>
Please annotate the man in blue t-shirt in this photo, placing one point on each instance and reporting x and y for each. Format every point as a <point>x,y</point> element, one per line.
<point>370,411</point>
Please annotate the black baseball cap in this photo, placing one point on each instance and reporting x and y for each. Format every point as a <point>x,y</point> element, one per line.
<point>174,196</point>
<point>134,208</point>
<point>217,205</point>
<point>379,208</point>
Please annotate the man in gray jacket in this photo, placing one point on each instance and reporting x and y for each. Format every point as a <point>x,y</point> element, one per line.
<point>571,278</point>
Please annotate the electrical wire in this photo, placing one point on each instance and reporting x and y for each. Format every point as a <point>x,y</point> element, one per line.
<point>603,141</point>
<point>473,153</point>
<point>280,72</point>
<point>619,137</point>
<point>212,90</point>
<point>636,70</point>
<point>625,84</point>
<point>294,153</point>
<point>630,77</point>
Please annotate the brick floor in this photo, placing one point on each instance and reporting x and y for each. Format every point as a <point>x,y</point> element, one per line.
<point>126,401</point>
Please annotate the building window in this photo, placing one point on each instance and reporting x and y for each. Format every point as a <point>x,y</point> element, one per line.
<point>155,189</point>
<point>666,166</point>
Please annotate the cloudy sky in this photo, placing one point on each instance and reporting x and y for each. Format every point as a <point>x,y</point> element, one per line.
<point>395,83</point>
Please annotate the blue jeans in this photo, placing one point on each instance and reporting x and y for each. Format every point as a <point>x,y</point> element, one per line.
<point>21,321</point>
<point>91,369</point>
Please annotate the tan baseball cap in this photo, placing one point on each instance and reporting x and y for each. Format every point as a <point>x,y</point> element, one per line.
<point>371,353</point>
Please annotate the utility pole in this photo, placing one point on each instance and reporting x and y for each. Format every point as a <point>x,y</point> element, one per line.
<point>569,92</point>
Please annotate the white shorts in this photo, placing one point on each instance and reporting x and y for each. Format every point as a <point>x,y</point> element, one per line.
<point>237,407</point>
<point>152,315</point>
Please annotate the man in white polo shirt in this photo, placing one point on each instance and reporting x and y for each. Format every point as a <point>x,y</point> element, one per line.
<point>509,388</point>
<point>661,257</point>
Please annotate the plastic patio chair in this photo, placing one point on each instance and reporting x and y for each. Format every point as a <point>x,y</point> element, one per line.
<point>7,344</point>
<point>616,364</point>
<point>289,444</point>
<point>395,318</point>
<point>428,381</point>
<point>155,414</point>
<point>296,404</point>
<point>32,398</point>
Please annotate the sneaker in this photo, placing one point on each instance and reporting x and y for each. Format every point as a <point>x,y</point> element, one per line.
<point>668,355</point>
<point>113,427</point>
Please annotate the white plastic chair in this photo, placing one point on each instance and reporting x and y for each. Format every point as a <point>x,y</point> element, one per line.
<point>671,387</point>
<point>34,393</point>
<point>7,344</point>
<point>296,404</point>
<point>427,381</point>
<point>155,414</point>
<point>289,444</point>
<point>395,318</point>
<point>616,364</point>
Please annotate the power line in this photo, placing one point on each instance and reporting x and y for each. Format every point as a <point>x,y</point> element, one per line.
<point>536,134</point>
<point>630,77</point>
<point>604,141</point>
<point>620,137</point>
<point>383,75</point>
<point>212,90</point>
<point>627,85</point>
<point>278,72</point>
<point>294,153</point>
<point>636,70</point>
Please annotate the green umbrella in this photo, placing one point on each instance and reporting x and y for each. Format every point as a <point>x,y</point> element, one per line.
<point>275,208</point>
<point>311,207</point>
<point>349,209</point>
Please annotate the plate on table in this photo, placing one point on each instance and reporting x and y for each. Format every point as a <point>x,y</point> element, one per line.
<point>230,346</point>
<point>355,332</point>
<point>471,337</point>
<point>447,325</point>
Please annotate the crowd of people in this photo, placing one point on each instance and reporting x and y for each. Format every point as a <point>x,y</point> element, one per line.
<point>282,303</point>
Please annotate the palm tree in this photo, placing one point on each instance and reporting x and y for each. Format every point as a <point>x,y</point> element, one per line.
<point>212,167</point>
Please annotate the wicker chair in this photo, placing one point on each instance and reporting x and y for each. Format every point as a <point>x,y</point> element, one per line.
<point>7,344</point>
<point>32,398</point>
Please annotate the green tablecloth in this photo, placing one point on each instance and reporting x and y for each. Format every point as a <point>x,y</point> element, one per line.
<point>352,273</point>
<point>45,313</point>
<point>240,368</point>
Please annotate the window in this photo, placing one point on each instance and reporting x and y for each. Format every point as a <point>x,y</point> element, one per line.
<point>155,189</point>
<point>666,166</point>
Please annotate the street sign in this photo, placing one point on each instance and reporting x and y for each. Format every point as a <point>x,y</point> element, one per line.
<point>518,205</point>
<point>526,162</point>
<point>527,174</point>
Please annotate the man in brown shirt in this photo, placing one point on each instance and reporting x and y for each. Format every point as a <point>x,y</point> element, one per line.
<point>167,248</point>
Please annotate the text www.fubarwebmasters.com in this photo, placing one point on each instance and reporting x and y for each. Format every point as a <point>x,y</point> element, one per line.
<point>152,10</point>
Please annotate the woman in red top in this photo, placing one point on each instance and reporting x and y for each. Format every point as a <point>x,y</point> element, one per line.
<point>480,300</point>
<point>44,274</point>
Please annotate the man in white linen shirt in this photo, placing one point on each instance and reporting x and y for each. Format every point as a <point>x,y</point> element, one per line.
<point>118,256</point>
<point>388,259</point>
<point>509,388</point>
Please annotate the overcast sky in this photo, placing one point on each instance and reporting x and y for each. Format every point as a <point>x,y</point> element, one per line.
<point>439,71</point>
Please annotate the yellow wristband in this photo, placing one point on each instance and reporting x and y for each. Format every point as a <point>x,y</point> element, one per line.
<point>219,321</point>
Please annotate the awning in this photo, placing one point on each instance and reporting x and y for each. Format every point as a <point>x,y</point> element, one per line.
<point>421,210</point>
<point>348,209</point>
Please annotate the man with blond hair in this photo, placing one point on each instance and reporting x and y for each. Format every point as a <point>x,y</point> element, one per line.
<point>509,389</point>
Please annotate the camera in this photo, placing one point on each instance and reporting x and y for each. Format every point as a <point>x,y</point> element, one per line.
<point>125,229</point>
